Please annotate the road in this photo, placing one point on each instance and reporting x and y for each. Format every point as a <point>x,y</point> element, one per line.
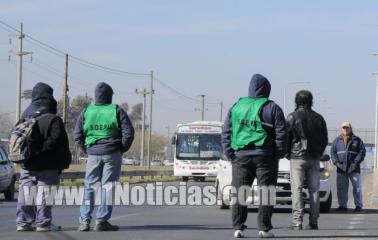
<point>202,222</point>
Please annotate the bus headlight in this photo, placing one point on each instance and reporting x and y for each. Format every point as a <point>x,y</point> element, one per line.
<point>324,175</point>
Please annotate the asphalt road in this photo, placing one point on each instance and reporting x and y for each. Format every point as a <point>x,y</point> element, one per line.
<point>203,222</point>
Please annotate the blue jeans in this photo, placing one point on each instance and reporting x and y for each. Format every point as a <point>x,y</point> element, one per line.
<point>343,187</point>
<point>38,214</point>
<point>100,169</point>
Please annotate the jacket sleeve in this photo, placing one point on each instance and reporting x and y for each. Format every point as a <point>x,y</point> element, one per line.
<point>361,154</point>
<point>226,137</point>
<point>334,156</point>
<point>280,130</point>
<point>79,136</point>
<point>289,123</point>
<point>324,134</point>
<point>127,129</point>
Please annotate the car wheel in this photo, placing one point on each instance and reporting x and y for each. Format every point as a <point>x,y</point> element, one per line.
<point>185,179</point>
<point>219,195</point>
<point>9,193</point>
<point>201,179</point>
<point>325,207</point>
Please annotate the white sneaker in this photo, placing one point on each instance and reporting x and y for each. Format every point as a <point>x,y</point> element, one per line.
<point>267,234</point>
<point>51,228</point>
<point>238,234</point>
<point>26,228</point>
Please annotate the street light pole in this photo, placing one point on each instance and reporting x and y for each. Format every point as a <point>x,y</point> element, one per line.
<point>376,122</point>
<point>285,90</point>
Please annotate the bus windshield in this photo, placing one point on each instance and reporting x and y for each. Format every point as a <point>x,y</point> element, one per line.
<point>198,146</point>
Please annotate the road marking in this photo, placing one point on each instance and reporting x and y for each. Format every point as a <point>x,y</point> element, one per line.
<point>124,216</point>
<point>355,222</point>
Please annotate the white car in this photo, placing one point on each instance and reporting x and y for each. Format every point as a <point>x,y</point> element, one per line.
<point>168,163</point>
<point>7,175</point>
<point>283,189</point>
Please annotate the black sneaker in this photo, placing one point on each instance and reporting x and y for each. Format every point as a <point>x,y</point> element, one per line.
<point>84,227</point>
<point>341,209</point>
<point>312,227</point>
<point>296,227</point>
<point>358,209</point>
<point>106,226</point>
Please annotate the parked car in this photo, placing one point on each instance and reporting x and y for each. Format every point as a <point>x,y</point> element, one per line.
<point>7,175</point>
<point>156,163</point>
<point>168,163</point>
<point>283,189</point>
<point>130,161</point>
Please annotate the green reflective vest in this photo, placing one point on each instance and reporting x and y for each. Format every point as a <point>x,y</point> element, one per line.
<point>100,122</point>
<point>246,125</point>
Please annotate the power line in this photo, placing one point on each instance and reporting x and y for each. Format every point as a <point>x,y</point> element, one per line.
<point>183,95</point>
<point>77,59</point>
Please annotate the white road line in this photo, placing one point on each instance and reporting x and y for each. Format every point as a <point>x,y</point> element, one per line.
<point>124,216</point>
<point>355,222</point>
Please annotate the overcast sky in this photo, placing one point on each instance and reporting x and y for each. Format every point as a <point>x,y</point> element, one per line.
<point>202,47</point>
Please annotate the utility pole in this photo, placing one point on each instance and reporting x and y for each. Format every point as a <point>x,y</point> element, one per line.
<point>203,107</point>
<point>221,111</point>
<point>20,54</point>
<point>150,127</point>
<point>144,93</point>
<point>65,90</point>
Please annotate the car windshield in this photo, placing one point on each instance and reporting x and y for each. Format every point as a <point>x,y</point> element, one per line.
<point>3,155</point>
<point>199,146</point>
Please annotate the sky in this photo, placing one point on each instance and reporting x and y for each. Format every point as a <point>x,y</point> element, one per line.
<point>201,47</point>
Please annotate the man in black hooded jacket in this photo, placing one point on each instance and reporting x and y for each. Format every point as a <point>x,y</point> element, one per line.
<point>254,139</point>
<point>44,169</point>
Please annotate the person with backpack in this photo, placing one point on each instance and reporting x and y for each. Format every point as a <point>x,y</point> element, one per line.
<point>307,140</point>
<point>254,139</point>
<point>49,155</point>
<point>103,131</point>
<point>347,153</point>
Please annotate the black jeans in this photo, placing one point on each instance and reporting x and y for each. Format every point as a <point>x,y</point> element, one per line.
<point>244,171</point>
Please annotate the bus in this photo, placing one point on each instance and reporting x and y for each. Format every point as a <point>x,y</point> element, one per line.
<point>198,149</point>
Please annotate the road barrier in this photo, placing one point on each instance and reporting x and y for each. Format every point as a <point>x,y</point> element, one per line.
<point>133,173</point>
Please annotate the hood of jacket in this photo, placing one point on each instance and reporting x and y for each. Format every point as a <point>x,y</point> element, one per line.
<point>103,94</point>
<point>259,87</point>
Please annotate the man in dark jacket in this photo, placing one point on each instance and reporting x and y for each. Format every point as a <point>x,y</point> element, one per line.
<point>104,131</point>
<point>254,139</point>
<point>307,140</point>
<point>43,169</point>
<point>347,153</point>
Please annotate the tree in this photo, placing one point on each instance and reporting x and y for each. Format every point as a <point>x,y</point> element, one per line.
<point>136,115</point>
<point>124,106</point>
<point>158,143</point>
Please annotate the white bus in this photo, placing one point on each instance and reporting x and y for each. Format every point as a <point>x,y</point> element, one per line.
<point>198,149</point>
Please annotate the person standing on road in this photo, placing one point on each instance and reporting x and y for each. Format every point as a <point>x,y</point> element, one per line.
<point>254,139</point>
<point>307,140</point>
<point>103,131</point>
<point>44,168</point>
<point>347,153</point>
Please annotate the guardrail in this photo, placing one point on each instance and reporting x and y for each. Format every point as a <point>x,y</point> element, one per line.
<point>133,173</point>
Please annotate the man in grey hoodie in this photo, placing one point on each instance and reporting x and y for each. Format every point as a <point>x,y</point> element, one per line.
<point>104,131</point>
<point>254,138</point>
